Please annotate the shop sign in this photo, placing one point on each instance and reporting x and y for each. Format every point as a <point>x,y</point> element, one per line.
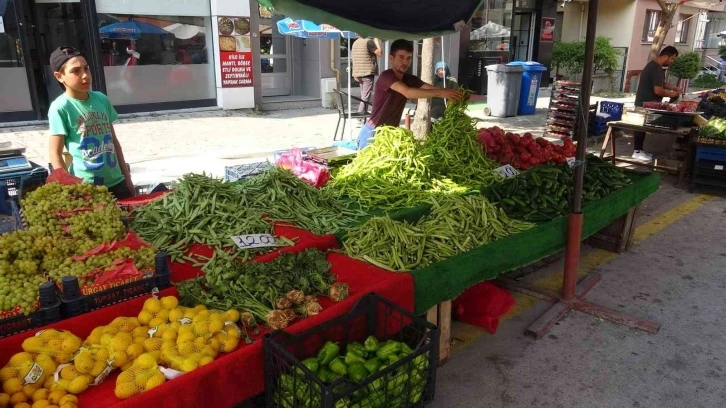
<point>548,30</point>
<point>235,52</point>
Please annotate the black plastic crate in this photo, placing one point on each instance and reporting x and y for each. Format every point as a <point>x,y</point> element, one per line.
<point>245,171</point>
<point>17,184</point>
<point>74,303</point>
<point>408,382</point>
<point>11,219</point>
<point>48,313</point>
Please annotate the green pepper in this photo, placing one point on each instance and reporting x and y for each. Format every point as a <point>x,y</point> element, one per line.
<point>373,365</point>
<point>324,374</point>
<point>358,349</point>
<point>338,366</point>
<point>342,403</point>
<point>406,349</point>
<point>357,372</point>
<point>421,362</point>
<point>312,364</point>
<point>351,358</point>
<point>327,353</point>
<point>388,350</point>
<point>287,382</point>
<point>371,344</point>
<point>393,358</point>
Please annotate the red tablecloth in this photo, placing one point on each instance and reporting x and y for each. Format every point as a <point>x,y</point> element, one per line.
<point>236,376</point>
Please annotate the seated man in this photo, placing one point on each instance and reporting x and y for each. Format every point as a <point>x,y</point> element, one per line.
<point>394,87</point>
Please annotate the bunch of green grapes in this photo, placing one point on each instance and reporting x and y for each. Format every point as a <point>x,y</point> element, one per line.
<point>19,245</point>
<point>143,259</point>
<point>40,206</point>
<point>16,288</point>
<point>103,225</point>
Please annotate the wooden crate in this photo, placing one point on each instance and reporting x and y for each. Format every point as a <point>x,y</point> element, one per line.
<point>440,315</point>
<point>618,236</point>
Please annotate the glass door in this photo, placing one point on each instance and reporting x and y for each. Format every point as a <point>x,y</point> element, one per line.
<point>523,36</point>
<point>53,24</point>
<point>274,58</point>
<point>16,97</point>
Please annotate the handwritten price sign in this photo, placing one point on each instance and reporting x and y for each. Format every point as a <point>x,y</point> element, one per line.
<point>571,161</point>
<point>250,241</point>
<point>506,171</point>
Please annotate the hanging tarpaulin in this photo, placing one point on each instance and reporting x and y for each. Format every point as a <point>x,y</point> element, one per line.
<point>387,20</point>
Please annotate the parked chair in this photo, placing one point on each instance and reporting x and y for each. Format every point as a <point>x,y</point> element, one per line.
<point>341,102</point>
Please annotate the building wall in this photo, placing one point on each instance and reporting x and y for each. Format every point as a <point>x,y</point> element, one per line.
<point>574,22</point>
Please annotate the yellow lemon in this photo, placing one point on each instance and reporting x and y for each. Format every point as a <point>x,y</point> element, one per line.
<point>46,363</point>
<point>140,331</point>
<point>156,354</point>
<point>124,390</point>
<point>83,362</point>
<point>142,377</point>
<point>20,359</point>
<point>185,338</point>
<point>145,361</point>
<point>169,335</point>
<point>98,368</point>
<point>71,344</point>
<point>205,360</point>
<point>186,349</point>
<point>140,340</point>
<point>169,302</point>
<point>41,394</point>
<point>152,344</point>
<point>102,354</point>
<point>188,365</point>
<point>66,405</point>
<point>69,373</point>
<point>23,405</point>
<point>231,316</point>
<point>135,350</point>
<point>229,344</point>
<point>199,308</point>
<point>152,306</point>
<point>55,396</point>
<point>8,372</point>
<point>60,385</point>
<point>157,321</point>
<point>126,376</point>
<point>214,343</point>
<point>119,358</point>
<point>121,341</point>
<point>17,398</point>
<point>79,385</point>
<point>12,386</point>
<point>69,399</point>
<point>4,400</point>
<point>145,317</point>
<point>49,382</point>
<point>127,366</point>
<point>216,325</point>
<point>41,404</point>
<point>175,314</point>
<point>154,381</point>
<point>29,390</point>
<point>33,344</point>
<point>106,339</point>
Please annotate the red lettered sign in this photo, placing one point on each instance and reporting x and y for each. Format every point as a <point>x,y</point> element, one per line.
<point>236,69</point>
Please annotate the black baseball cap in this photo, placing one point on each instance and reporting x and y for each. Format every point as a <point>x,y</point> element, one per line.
<point>61,55</point>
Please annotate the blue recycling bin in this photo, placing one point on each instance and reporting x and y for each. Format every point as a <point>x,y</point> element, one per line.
<point>531,80</point>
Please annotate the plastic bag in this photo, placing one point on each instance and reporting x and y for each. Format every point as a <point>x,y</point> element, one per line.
<point>63,177</point>
<point>314,173</point>
<point>482,305</point>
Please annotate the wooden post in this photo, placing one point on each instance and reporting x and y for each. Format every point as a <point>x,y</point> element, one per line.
<point>440,315</point>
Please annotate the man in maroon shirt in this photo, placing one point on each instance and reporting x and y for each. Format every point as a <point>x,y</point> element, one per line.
<point>394,87</point>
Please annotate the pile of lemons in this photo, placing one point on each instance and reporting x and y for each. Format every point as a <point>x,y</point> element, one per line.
<point>55,366</point>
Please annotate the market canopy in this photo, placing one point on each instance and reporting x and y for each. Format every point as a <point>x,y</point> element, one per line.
<point>387,20</point>
<point>130,30</point>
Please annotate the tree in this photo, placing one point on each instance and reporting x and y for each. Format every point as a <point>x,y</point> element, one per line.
<point>665,23</point>
<point>422,120</point>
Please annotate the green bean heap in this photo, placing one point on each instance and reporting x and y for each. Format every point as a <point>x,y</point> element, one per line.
<point>456,224</point>
<point>454,152</point>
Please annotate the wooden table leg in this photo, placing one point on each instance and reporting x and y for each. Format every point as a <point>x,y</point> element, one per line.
<point>605,142</point>
<point>440,315</point>
<point>612,149</point>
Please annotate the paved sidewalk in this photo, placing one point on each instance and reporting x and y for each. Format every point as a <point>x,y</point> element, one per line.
<point>164,147</point>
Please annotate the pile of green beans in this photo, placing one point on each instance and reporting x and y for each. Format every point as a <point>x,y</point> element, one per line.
<point>200,210</point>
<point>282,196</point>
<point>456,224</point>
<point>454,151</point>
<point>390,173</point>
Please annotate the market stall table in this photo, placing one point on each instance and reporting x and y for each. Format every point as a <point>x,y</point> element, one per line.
<point>233,377</point>
<point>615,129</point>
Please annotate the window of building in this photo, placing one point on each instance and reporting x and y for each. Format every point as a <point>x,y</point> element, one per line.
<point>716,24</point>
<point>682,28</point>
<point>491,26</point>
<point>159,51</point>
<point>651,25</point>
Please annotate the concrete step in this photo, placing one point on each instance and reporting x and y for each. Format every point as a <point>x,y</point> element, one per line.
<point>276,103</point>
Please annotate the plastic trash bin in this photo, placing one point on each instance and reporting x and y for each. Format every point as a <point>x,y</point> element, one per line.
<point>503,87</point>
<point>531,80</point>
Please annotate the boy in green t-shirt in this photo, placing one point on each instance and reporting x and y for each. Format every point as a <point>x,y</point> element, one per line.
<point>81,120</point>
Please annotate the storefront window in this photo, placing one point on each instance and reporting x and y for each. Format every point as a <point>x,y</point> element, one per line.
<point>491,26</point>
<point>150,56</point>
<point>13,75</point>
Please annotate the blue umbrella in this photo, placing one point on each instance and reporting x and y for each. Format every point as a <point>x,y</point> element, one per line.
<point>129,30</point>
<point>308,29</point>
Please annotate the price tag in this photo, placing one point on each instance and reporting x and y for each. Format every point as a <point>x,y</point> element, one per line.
<point>718,167</point>
<point>506,171</point>
<point>571,161</point>
<point>250,241</point>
